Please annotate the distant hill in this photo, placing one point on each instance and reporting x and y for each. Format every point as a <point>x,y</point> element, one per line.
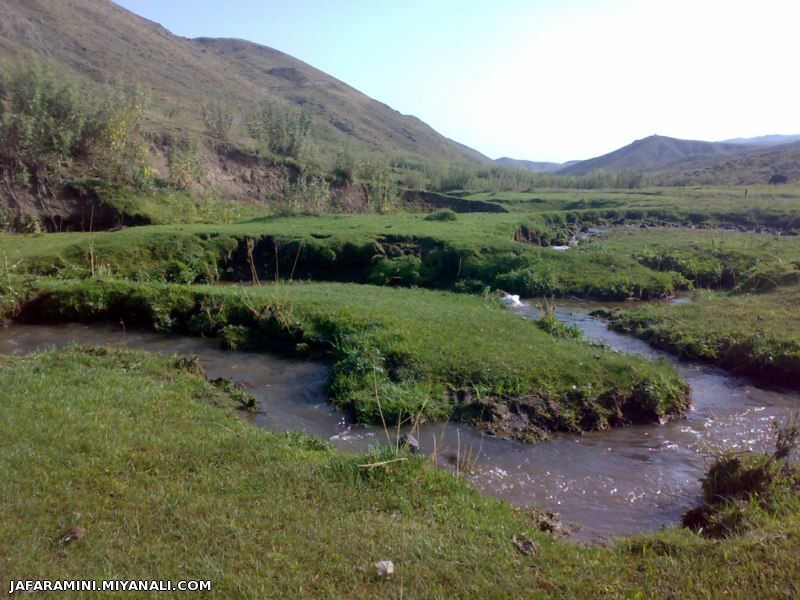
<point>652,153</point>
<point>757,165</point>
<point>100,41</point>
<point>528,165</point>
<point>765,140</point>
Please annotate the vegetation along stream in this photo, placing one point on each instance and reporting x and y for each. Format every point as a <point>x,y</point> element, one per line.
<point>607,483</point>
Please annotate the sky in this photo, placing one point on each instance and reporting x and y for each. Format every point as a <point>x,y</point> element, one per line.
<point>548,80</point>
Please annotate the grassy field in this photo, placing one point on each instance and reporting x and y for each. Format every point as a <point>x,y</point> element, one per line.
<point>469,254</point>
<point>163,481</point>
<point>709,258</point>
<point>398,353</point>
<point>756,334</point>
<point>709,199</point>
<point>501,251</point>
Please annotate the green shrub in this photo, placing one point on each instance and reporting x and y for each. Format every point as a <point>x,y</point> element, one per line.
<point>185,171</point>
<point>444,214</point>
<point>218,118</point>
<point>741,490</point>
<point>279,129</point>
<point>48,129</point>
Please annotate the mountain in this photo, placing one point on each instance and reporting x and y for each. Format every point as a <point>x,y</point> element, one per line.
<point>765,140</point>
<point>652,153</point>
<point>100,41</point>
<point>528,165</point>
<point>757,165</point>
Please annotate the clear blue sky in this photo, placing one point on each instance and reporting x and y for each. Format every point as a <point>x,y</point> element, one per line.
<point>541,80</point>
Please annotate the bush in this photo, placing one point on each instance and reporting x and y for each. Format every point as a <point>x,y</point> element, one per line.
<point>279,129</point>
<point>444,214</point>
<point>345,167</point>
<point>218,118</point>
<point>307,195</point>
<point>48,130</point>
<point>185,171</point>
<point>741,489</point>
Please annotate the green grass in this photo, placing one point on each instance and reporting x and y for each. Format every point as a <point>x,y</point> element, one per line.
<point>474,251</point>
<point>169,484</point>
<point>709,258</point>
<point>756,334</point>
<point>467,254</point>
<point>710,199</point>
<point>399,352</point>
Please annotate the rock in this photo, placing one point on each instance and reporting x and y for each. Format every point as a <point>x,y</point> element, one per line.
<point>410,442</point>
<point>73,534</point>
<point>524,544</point>
<point>384,568</point>
<point>550,522</point>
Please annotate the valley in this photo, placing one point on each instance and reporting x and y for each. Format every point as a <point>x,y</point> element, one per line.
<point>264,330</point>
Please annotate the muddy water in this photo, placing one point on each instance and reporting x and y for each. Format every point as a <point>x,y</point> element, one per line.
<point>611,483</point>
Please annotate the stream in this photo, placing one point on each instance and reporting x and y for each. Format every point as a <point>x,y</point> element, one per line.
<point>610,483</point>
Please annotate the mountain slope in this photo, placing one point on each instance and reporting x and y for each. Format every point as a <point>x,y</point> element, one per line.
<point>756,166</point>
<point>651,153</point>
<point>765,140</point>
<point>100,41</point>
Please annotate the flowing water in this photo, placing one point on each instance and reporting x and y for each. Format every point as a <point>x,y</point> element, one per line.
<point>609,482</point>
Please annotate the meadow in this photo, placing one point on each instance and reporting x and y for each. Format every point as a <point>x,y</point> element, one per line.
<point>165,480</point>
<point>406,308</point>
<point>755,334</point>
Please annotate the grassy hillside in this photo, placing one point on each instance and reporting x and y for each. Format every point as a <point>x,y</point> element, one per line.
<point>101,42</point>
<point>650,153</point>
<point>755,166</point>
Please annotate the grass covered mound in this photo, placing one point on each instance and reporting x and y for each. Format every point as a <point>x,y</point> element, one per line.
<point>469,254</point>
<point>756,334</point>
<point>709,258</point>
<point>397,353</point>
<point>141,461</point>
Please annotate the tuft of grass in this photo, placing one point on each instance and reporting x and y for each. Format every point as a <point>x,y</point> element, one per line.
<point>742,490</point>
<point>444,214</point>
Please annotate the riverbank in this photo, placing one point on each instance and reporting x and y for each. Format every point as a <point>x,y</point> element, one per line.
<point>164,481</point>
<point>753,334</point>
<point>398,354</point>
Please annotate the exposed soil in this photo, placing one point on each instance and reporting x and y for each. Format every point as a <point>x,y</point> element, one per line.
<point>73,208</point>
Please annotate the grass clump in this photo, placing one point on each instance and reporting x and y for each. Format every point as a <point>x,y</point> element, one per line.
<point>444,214</point>
<point>741,490</point>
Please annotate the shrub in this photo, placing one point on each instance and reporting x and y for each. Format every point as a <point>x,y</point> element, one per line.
<point>741,489</point>
<point>279,129</point>
<point>184,165</point>
<point>48,129</point>
<point>307,195</point>
<point>345,167</point>
<point>444,214</point>
<point>218,118</point>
